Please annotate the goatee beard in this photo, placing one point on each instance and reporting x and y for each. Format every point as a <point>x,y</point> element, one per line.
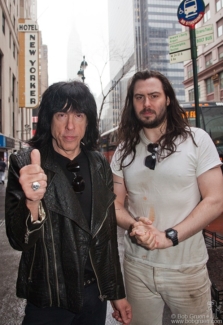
<point>153,124</point>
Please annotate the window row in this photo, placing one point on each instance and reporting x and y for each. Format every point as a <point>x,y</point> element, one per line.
<point>208,57</point>
<point>208,61</point>
<point>219,4</point>
<point>191,94</point>
<point>209,87</point>
<point>164,3</point>
<point>158,25</point>
<point>10,36</point>
<point>162,18</point>
<point>4,22</point>
<point>207,13</point>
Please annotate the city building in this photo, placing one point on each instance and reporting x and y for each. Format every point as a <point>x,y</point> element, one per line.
<point>16,119</point>
<point>121,60</point>
<point>209,57</point>
<point>154,22</point>
<point>138,39</point>
<point>9,49</point>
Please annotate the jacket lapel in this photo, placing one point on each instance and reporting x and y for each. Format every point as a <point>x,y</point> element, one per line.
<point>60,197</point>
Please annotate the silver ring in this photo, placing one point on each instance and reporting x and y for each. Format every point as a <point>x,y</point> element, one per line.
<point>35,186</point>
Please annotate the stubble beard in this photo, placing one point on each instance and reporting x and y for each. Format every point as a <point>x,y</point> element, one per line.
<point>152,124</point>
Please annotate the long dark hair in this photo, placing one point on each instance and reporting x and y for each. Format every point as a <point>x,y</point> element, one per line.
<point>177,123</point>
<point>63,96</point>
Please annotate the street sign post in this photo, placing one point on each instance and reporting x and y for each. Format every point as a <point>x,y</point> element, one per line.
<point>204,30</point>
<point>179,45</point>
<point>189,13</point>
<point>204,34</point>
<point>176,47</point>
<point>180,56</point>
<point>205,39</point>
<point>179,37</point>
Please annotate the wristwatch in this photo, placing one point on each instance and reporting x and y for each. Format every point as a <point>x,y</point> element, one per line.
<point>172,235</point>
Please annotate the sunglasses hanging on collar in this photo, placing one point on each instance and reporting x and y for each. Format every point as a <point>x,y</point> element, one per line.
<point>150,161</point>
<point>78,182</point>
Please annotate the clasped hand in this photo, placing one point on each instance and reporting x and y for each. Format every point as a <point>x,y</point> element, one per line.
<point>147,235</point>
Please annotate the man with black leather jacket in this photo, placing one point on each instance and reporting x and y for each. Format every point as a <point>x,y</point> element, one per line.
<point>60,214</point>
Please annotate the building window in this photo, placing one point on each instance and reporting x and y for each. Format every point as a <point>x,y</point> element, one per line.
<point>221,80</point>
<point>189,71</point>
<point>13,50</point>
<point>209,86</point>
<point>208,60</point>
<point>3,23</point>
<point>191,94</point>
<point>207,13</point>
<point>220,52</point>
<point>220,27</point>
<point>219,4</point>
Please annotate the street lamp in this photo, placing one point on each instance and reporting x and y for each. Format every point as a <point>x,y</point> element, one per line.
<point>83,66</point>
<point>26,130</point>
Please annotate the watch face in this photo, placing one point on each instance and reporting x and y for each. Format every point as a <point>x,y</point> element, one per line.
<point>171,233</point>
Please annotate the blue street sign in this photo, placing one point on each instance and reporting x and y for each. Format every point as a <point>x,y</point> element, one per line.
<point>190,12</point>
<point>2,141</point>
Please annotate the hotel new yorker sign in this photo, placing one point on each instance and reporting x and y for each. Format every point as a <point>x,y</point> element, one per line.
<point>28,63</point>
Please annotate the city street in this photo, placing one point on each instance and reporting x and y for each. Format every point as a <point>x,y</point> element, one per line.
<point>12,308</point>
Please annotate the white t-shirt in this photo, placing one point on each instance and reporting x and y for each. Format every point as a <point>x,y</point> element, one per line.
<point>167,195</point>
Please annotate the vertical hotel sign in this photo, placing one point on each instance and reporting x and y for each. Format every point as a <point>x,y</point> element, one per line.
<point>28,33</point>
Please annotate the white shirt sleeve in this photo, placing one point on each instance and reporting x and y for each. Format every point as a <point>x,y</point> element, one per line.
<point>115,163</point>
<point>208,156</point>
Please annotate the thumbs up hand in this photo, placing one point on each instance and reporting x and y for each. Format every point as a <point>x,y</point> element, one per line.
<point>30,174</point>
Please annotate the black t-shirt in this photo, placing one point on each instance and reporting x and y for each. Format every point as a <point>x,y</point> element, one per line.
<point>85,198</point>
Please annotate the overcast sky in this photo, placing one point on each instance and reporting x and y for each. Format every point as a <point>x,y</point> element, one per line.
<point>56,18</point>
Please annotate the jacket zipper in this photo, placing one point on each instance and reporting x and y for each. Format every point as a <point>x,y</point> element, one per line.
<point>28,232</point>
<point>47,270</point>
<point>101,297</point>
<point>55,265</point>
<point>103,220</point>
<point>31,268</point>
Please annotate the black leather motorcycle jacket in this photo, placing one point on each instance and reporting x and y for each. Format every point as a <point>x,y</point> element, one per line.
<point>54,252</point>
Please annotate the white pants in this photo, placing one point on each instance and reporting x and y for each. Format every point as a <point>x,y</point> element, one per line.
<point>186,292</point>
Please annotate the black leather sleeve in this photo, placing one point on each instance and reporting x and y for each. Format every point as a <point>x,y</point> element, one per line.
<point>22,234</point>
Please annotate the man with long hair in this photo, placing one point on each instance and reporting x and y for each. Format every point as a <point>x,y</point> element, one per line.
<point>171,176</point>
<point>60,214</point>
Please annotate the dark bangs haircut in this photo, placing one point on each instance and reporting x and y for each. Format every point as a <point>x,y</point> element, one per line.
<point>177,123</point>
<point>61,97</point>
